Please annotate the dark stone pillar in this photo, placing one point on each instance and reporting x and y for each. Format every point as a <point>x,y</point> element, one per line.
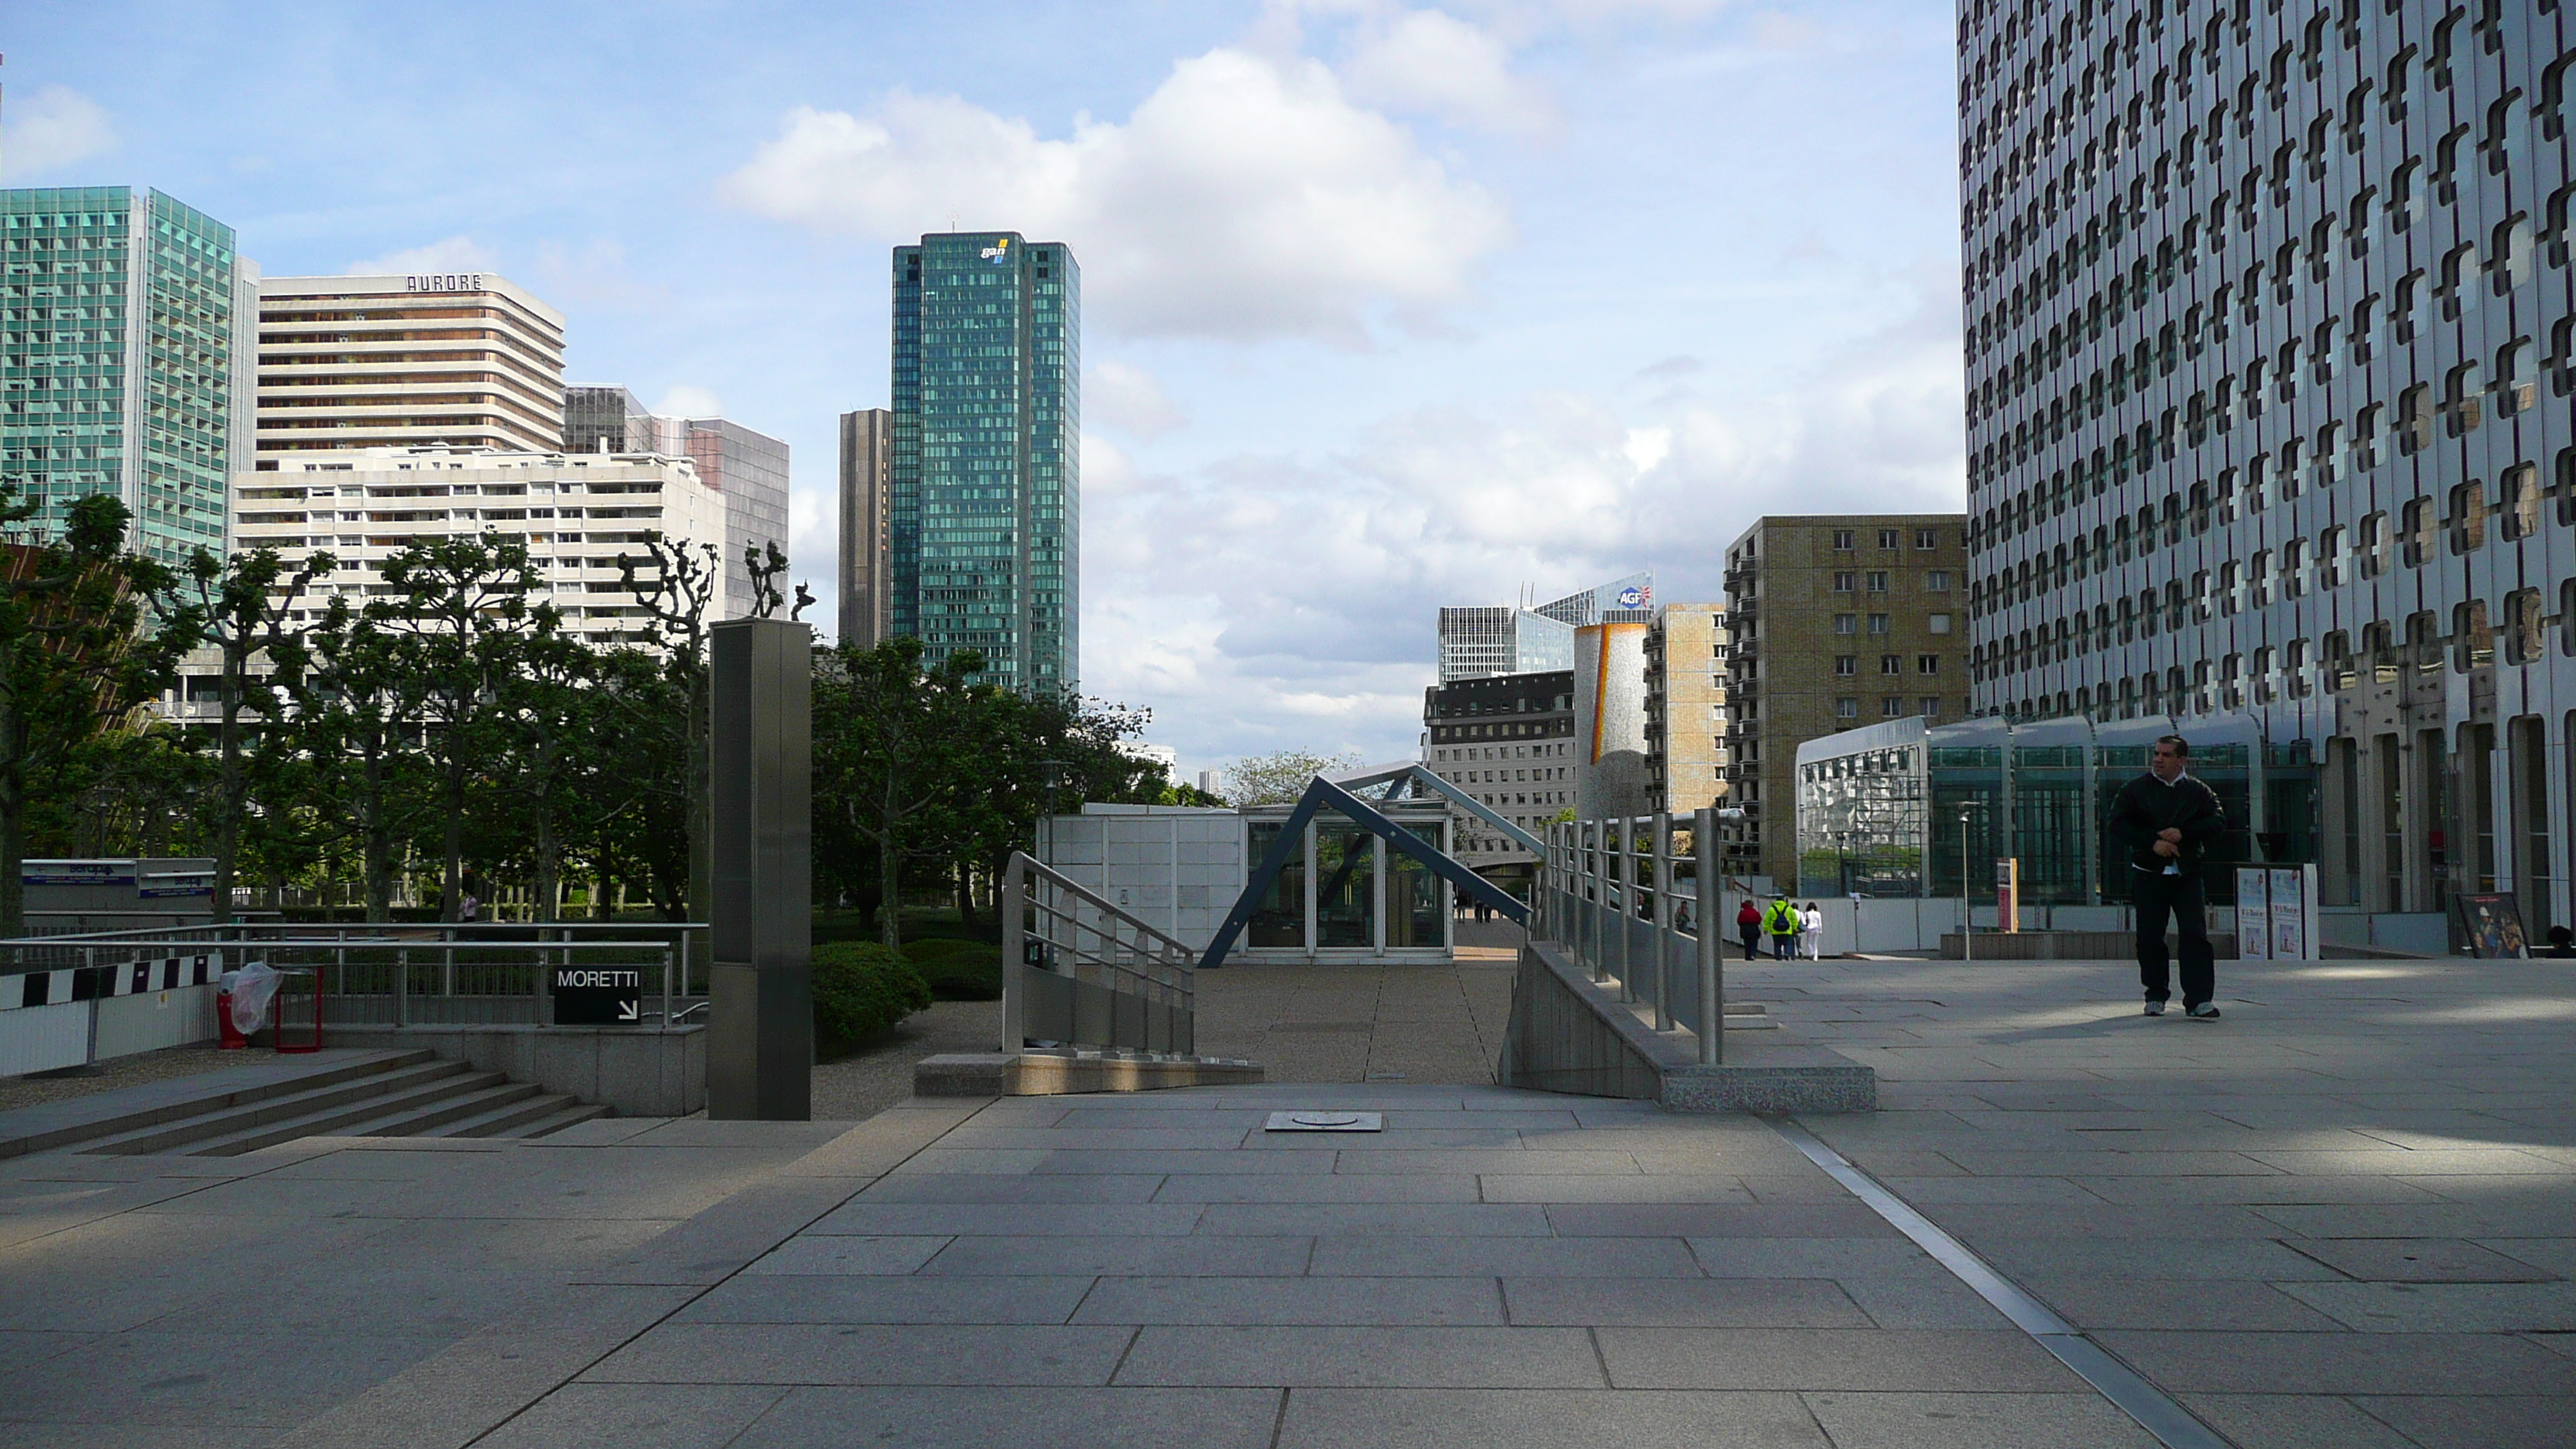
<point>760,1031</point>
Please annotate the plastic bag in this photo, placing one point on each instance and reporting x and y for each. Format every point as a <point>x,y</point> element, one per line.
<point>252,989</point>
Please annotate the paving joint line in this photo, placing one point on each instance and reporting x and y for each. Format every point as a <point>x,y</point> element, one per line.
<point>2173,1426</point>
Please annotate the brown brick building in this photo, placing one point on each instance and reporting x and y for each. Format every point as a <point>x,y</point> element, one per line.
<point>1835,622</point>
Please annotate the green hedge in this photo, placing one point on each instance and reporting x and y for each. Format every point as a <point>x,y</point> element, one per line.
<point>860,989</point>
<point>958,970</point>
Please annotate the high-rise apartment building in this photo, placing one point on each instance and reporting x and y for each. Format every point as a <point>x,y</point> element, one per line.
<point>1833,621</point>
<point>124,359</point>
<point>2269,347</point>
<point>460,360</point>
<point>985,485</point>
<point>1686,673</point>
<point>576,514</point>
<point>1530,638</point>
<point>867,538</point>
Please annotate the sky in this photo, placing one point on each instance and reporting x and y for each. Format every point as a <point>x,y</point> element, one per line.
<point>1385,307</point>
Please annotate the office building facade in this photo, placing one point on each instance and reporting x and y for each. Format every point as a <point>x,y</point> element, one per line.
<point>603,418</point>
<point>1832,620</point>
<point>1508,741</point>
<point>1532,638</point>
<point>1686,672</point>
<point>985,491</point>
<point>867,537</point>
<point>576,514</point>
<point>457,360</point>
<point>2269,352</point>
<point>123,359</point>
<point>748,469</point>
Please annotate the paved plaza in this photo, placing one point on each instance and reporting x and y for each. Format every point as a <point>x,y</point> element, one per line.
<point>2345,1216</point>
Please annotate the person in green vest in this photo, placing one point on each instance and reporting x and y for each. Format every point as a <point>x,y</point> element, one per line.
<point>1783,924</point>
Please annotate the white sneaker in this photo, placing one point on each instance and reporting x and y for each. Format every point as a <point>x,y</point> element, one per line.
<point>2155,1006</point>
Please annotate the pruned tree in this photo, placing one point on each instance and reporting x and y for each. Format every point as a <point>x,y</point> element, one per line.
<point>244,602</point>
<point>87,632</point>
<point>892,748</point>
<point>678,595</point>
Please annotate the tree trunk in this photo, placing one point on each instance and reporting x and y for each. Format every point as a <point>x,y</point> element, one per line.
<point>965,895</point>
<point>13,849</point>
<point>701,826</point>
<point>889,873</point>
<point>230,787</point>
<point>452,875</point>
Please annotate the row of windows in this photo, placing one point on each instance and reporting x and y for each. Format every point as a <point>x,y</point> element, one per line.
<point>1849,664</point>
<point>1879,623</point>
<point>1846,540</point>
<point>2517,511</point>
<point>1890,707</point>
<point>1876,581</point>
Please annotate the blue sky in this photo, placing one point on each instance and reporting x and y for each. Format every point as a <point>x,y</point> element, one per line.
<point>1386,306</point>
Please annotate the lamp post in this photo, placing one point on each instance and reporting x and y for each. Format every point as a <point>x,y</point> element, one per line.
<point>1967,926</point>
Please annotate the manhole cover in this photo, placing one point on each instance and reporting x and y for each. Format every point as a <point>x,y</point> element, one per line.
<point>1325,1122</point>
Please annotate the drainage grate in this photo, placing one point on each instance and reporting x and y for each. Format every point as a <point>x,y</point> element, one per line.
<point>1325,1122</point>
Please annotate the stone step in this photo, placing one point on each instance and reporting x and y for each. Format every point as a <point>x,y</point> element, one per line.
<point>126,1111</point>
<point>217,1118</point>
<point>447,1116</point>
<point>570,1114</point>
<point>342,1120</point>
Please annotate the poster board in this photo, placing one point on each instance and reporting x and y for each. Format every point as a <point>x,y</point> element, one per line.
<point>2294,913</point>
<point>2253,913</point>
<point>2492,922</point>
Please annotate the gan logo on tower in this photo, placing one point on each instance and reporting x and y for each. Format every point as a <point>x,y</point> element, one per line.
<point>998,251</point>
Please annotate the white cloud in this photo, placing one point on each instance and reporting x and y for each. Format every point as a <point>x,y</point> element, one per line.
<point>1425,60</point>
<point>596,276</point>
<point>1266,603</point>
<point>686,400</point>
<point>1245,198</point>
<point>1129,399</point>
<point>54,128</point>
<point>455,254</point>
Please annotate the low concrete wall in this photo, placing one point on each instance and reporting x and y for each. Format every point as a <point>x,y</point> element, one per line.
<point>634,1073</point>
<point>1569,1035</point>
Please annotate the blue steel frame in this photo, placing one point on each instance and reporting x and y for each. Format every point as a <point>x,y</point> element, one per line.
<point>1321,792</point>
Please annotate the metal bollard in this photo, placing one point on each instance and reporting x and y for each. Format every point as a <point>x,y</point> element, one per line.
<point>1712,966</point>
<point>1663,920</point>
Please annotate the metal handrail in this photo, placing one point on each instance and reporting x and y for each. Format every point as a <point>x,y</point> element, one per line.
<point>1124,946</point>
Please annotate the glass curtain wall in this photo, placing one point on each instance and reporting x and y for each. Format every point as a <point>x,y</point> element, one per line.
<point>1280,917</point>
<point>1345,885</point>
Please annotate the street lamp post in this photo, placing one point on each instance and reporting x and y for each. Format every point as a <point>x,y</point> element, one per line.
<point>1967,926</point>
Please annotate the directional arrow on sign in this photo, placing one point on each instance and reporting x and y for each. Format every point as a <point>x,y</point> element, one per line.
<point>630,1011</point>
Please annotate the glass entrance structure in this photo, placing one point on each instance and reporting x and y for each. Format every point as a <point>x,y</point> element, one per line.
<point>1346,896</point>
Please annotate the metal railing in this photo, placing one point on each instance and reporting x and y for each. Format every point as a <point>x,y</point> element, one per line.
<point>1080,972</point>
<point>398,974</point>
<point>1614,893</point>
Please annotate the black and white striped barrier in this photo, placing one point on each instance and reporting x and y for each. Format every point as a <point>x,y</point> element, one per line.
<point>85,983</point>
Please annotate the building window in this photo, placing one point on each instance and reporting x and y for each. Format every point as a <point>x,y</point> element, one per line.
<point>1891,664</point>
<point>1892,707</point>
<point>1887,538</point>
<point>1931,706</point>
<point>1878,623</point>
<point>1843,539</point>
<point>1937,581</point>
<point>1878,581</point>
<point>1846,664</point>
<point>1844,582</point>
<point>1846,623</point>
<point>1847,708</point>
<point>1927,538</point>
<point>1940,623</point>
<point>1927,663</point>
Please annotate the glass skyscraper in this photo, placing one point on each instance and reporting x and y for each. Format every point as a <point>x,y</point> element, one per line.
<point>985,484</point>
<point>123,364</point>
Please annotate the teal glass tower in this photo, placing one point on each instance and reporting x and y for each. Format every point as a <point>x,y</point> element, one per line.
<point>984,487</point>
<point>126,359</point>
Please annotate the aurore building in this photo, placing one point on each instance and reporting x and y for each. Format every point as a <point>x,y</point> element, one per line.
<point>2269,352</point>
<point>985,485</point>
<point>125,355</point>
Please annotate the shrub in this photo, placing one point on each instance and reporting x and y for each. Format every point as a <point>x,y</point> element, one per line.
<point>958,970</point>
<point>860,989</point>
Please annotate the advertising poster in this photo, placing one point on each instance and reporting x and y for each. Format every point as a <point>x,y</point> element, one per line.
<point>2289,901</point>
<point>2253,914</point>
<point>2493,924</point>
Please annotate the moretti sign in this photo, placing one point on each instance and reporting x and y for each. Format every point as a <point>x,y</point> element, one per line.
<point>445,282</point>
<point>598,996</point>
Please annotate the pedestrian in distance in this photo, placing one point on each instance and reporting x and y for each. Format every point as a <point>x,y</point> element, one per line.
<point>1682,917</point>
<point>1748,924</point>
<point>1811,927</point>
<point>1784,924</point>
<point>2562,945</point>
<point>2163,820</point>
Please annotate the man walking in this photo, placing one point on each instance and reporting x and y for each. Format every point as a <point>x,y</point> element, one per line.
<point>1782,921</point>
<point>2162,820</point>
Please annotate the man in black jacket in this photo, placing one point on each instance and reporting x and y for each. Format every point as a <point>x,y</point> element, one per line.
<point>2163,820</point>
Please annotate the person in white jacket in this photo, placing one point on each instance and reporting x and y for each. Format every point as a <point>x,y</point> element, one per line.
<point>1811,923</point>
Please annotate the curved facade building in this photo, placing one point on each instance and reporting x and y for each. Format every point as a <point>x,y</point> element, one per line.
<point>2269,365</point>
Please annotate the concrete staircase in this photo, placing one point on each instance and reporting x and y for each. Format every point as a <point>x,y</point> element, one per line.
<point>360,1094</point>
